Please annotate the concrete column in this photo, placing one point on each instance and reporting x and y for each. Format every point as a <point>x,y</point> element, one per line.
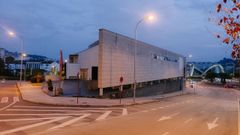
<point>101,92</point>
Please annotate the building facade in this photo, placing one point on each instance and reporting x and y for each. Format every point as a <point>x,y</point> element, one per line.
<point>110,62</point>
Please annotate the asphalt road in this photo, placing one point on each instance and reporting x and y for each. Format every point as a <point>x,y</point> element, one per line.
<point>212,111</point>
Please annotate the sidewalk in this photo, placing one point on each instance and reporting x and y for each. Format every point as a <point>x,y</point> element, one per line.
<point>34,94</point>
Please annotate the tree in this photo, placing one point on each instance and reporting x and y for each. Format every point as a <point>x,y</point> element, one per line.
<point>227,17</point>
<point>2,67</point>
<point>210,76</point>
<point>9,59</point>
<point>223,77</point>
<point>4,71</point>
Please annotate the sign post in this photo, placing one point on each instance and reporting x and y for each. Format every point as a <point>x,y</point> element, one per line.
<point>121,88</point>
<point>78,79</point>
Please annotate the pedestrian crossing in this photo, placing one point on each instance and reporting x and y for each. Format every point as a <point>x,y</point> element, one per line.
<point>4,100</point>
<point>33,116</point>
<point>55,116</point>
<point>96,114</point>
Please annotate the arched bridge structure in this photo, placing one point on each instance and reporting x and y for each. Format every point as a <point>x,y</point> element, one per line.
<point>194,71</point>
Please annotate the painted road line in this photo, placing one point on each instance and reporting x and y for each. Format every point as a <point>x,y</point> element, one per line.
<point>31,126</point>
<point>161,107</point>
<point>168,117</point>
<point>154,109</point>
<point>16,99</point>
<point>62,107</point>
<point>27,119</point>
<point>103,116</point>
<point>4,100</point>
<point>45,114</point>
<point>124,111</point>
<point>4,108</point>
<point>166,133</point>
<point>238,116</point>
<point>144,111</point>
<point>213,124</point>
<point>187,121</point>
<point>67,123</point>
<point>37,110</point>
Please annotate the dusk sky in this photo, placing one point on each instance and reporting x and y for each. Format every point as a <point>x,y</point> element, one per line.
<point>71,25</point>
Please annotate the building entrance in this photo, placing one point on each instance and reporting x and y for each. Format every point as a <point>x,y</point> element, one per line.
<point>94,73</point>
<point>84,74</point>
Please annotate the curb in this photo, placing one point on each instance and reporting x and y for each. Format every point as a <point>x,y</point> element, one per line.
<point>87,105</point>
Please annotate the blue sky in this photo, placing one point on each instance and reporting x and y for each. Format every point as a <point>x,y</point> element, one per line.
<point>48,25</point>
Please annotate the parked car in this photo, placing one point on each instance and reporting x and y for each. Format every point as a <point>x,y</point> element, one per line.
<point>230,85</point>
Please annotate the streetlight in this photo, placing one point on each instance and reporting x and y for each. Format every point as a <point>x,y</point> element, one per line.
<point>12,34</point>
<point>190,56</point>
<point>146,18</point>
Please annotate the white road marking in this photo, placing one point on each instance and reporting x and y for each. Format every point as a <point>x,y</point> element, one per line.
<point>124,111</point>
<point>4,100</point>
<point>62,107</point>
<point>161,107</point>
<point>44,114</point>
<point>166,133</point>
<point>202,111</point>
<point>212,124</point>
<point>144,111</point>
<point>31,126</point>
<point>67,123</point>
<point>4,108</point>
<point>187,121</point>
<point>15,99</point>
<point>103,116</point>
<point>168,117</point>
<point>37,110</point>
<point>238,117</point>
<point>27,119</point>
<point>154,109</point>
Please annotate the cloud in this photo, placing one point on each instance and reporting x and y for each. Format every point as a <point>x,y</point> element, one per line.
<point>49,25</point>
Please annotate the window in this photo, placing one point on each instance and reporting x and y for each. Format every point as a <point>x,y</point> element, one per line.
<point>164,58</point>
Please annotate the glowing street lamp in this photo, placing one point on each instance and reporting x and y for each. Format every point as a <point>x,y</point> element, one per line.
<point>146,18</point>
<point>190,56</point>
<point>150,17</point>
<point>13,34</point>
<point>10,33</point>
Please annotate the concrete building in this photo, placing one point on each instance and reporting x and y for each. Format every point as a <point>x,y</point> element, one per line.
<point>111,57</point>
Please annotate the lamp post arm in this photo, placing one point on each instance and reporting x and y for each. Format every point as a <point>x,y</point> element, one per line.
<point>136,28</point>
<point>134,63</point>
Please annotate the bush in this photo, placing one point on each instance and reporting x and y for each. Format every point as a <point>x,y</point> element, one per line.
<point>210,76</point>
<point>50,85</point>
<point>37,78</point>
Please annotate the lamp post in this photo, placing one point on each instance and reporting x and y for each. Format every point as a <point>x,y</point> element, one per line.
<point>12,34</point>
<point>150,18</point>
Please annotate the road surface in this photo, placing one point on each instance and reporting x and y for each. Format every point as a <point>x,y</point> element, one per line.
<point>212,111</point>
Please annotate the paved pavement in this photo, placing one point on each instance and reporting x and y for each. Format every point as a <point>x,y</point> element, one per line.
<point>34,94</point>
